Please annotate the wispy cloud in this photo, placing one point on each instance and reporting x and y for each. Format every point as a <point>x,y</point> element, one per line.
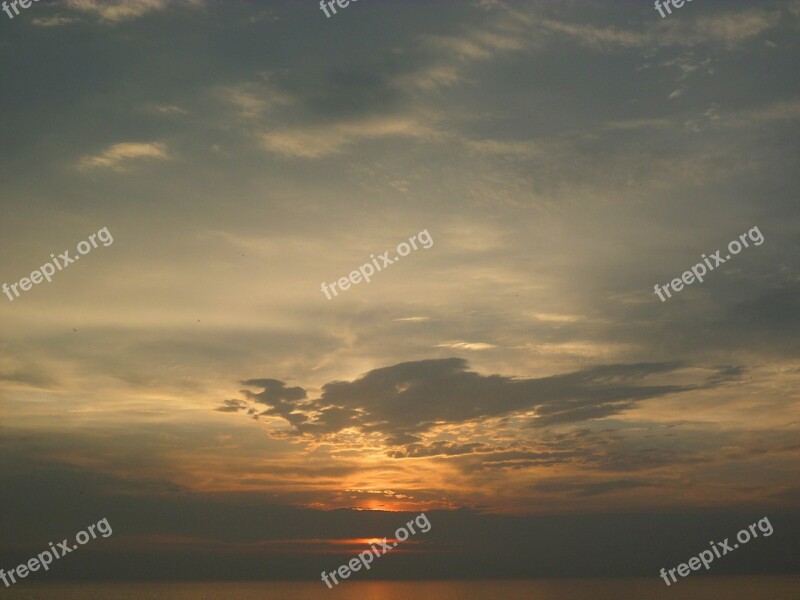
<point>459,345</point>
<point>727,29</point>
<point>122,10</point>
<point>118,156</point>
<point>451,55</point>
<point>324,140</point>
<point>167,109</point>
<point>735,27</point>
<point>54,21</point>
<point>593,35</point>
<point>788,110</point>
<point>252,100</point>
<point>761,116</point>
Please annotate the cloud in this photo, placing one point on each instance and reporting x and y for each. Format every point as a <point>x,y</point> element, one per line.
<point>325,140</point>
<point>439,449</point>
<point>32,378</point>
<point>167,109</point>
<point>355,104</point>
<point>735,27</point>
<point>252,100</point>
<point>594,36</point>
<point>766,115</point>
<point>278,397</point>
<point>264,15</point>
<point>476,45</point>
<point>527,149</point>
<point>788,110</point>
<point>407,400</point>
<point>53,21</point>
<point>589,489</point>
<point>232,406</point>
<point>248,105</point>
<point>556,317</point>
<point>122,10</point>
<point>117,156</point>
<point>727,29</point>
<point>458,345</point>
<point>449,56</point>
<point>687,64</point>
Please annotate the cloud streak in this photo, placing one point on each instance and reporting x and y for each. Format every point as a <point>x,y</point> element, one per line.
<point>114,11</point>
<point>120,156</point>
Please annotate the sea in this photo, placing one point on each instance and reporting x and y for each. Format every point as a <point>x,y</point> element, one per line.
<point>707,588</point>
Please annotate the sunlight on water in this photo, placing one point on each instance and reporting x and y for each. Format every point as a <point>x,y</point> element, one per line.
<point>721,588</point>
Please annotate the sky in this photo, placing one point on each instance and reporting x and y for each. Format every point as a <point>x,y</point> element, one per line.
<point>517,378</point>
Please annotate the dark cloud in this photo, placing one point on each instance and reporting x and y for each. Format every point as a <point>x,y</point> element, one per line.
<point>589,489</point>
<point>352,92</point>
<point>520,459</point>
<point>30,378</point>
<point>278,397</point>
<point>408,399</point>
<point>168,534</point>
<point>775,311</point>
<point>232,406</point>
<point>274,390</point>
<point>438,449</point>
<point>164,531</point>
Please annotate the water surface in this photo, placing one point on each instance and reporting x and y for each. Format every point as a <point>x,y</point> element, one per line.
<point>709,588</point>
